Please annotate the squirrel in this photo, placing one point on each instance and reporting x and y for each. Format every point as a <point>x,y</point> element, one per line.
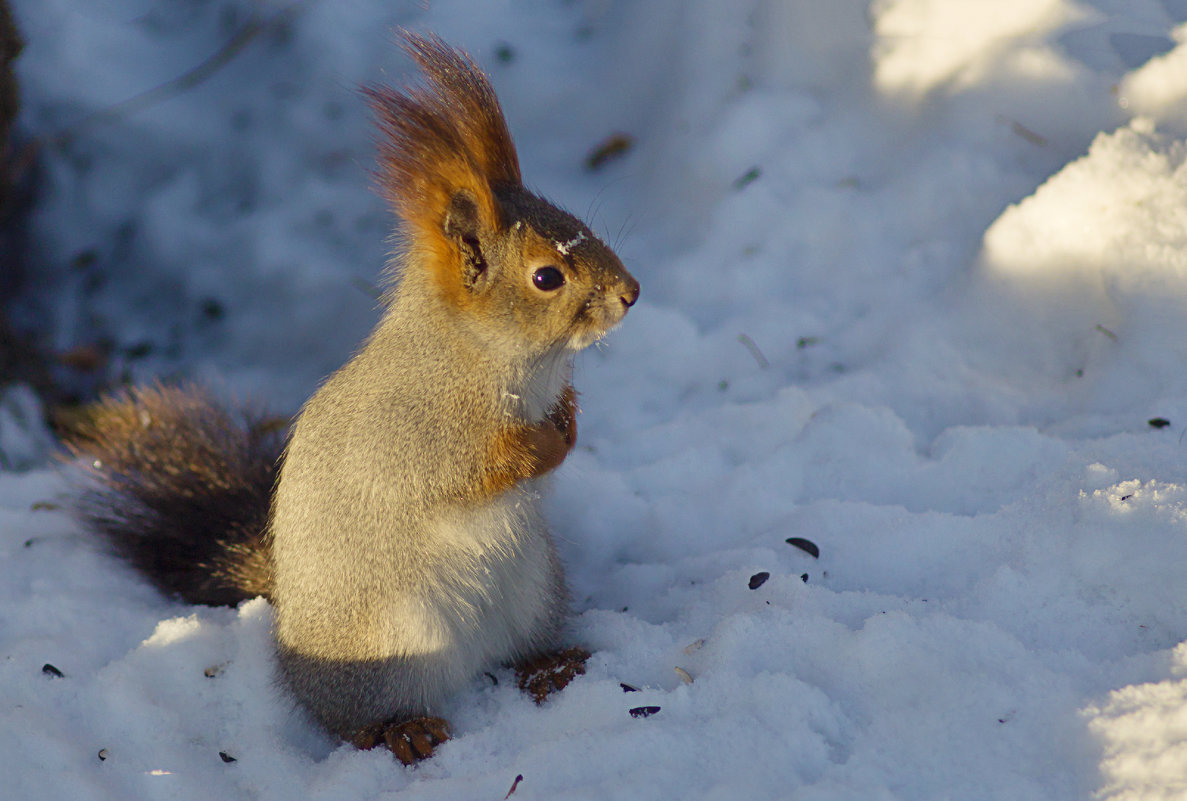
<point>397,529</point>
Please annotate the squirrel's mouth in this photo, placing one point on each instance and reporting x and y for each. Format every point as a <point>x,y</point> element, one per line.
<point>595,320</point>
<point>604,308</point>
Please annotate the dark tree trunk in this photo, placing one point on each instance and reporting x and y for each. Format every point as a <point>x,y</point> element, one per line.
<point>10,46</point>
<point>11,268</point>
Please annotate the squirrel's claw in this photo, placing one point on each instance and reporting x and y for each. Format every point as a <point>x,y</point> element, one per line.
<point>409,740</point>
<point>549,673</point>
<point>414,740</point>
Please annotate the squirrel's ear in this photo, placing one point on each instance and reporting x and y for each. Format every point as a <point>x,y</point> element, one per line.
<point>444,151</point>
<point>464,226</point>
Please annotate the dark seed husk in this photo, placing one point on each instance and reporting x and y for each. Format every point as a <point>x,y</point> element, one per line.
<point>804,545</point>
<point>644,711</point>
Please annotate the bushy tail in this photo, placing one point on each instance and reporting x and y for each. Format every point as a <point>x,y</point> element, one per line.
<point>181,486</point>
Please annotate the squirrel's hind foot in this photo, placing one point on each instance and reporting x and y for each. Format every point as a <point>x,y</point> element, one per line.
<point>542,676</point>
<point>409,740</point>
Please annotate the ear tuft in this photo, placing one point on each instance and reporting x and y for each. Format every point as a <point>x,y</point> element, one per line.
<point>465,95</point>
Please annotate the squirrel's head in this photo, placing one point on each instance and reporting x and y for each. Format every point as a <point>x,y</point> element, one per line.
<point>516,266</point>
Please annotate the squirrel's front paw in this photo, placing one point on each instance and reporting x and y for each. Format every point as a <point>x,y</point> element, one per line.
<point>544,675</point>
<point>410,740</point>
<point>548,445</point>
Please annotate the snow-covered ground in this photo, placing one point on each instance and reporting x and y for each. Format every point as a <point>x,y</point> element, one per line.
<point>914,289</point>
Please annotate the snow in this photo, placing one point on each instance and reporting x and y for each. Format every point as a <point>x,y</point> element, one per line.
<point>914,284</point>
<point>1145,735</point>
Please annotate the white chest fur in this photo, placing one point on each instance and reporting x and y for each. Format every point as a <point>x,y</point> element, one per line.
<point>495,590</point>
<point>541,386</point>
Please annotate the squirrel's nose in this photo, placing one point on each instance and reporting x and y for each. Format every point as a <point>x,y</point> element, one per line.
<point>630,293</point>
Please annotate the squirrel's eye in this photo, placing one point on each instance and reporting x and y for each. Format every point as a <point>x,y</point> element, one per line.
<point>548,279</point>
